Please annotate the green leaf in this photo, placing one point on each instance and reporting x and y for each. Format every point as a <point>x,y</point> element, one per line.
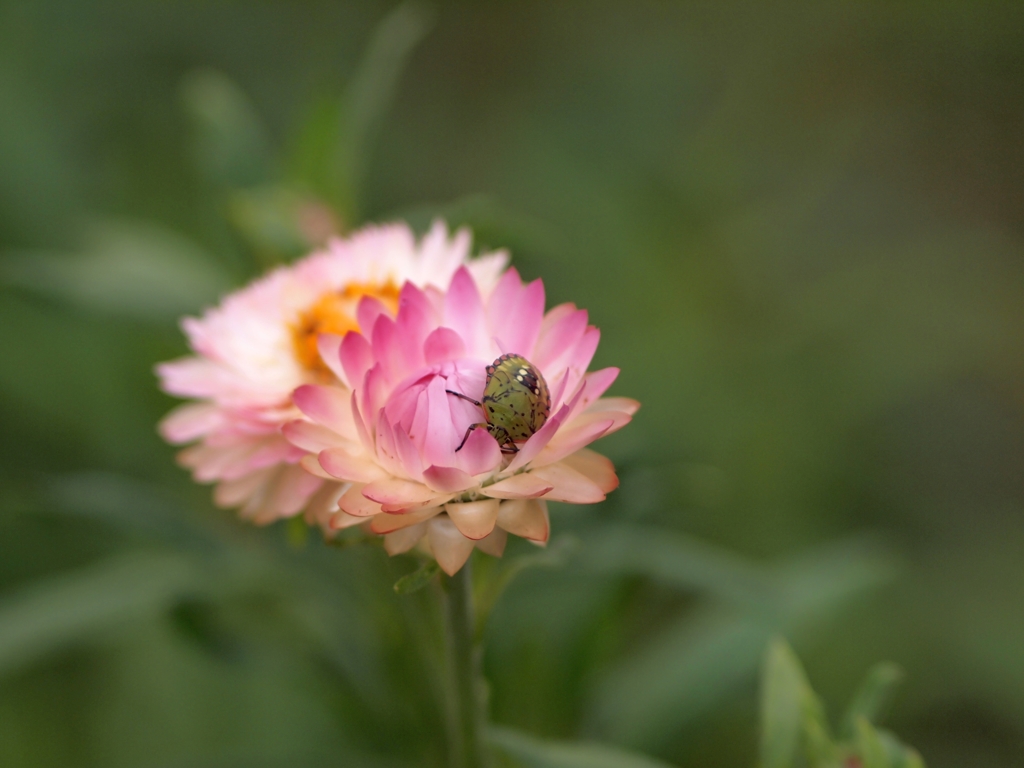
<point>127,268</point>
<point>52,614</point>
<point>537,753</point>
<point>418,579</point>
<point>231,142</point>
<point>870,746</point>
<point>873,697</point>
<point>782,698</point>
<point>335,144</point>
<point>706,654</point>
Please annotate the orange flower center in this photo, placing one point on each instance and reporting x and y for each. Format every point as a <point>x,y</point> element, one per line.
<point>336,313</point>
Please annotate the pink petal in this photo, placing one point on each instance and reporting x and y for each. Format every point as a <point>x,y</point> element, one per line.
<point>539,439</point>
<point>329,347</point>
<point>404,539</point>
<point>412,463</point>
<point>448,479</point>
<point>560,332</point>
<point>439,440</point>
<point>595,467</point>
<point>450,548</point>
<point>569,485</point>
<point>394,491</point>
<point>443,344</point>
<point>474,519</point>
<point>187,422</point>
<point>624,405</point>
<point>360,425</point>
<point>480,453</point>
<point>582,432</point>
<point>464,313</point>
<point>340,464</point>
<point>387,450</point>
<point>356,356</point>
<point>368,311</point>
<point>354,503</point>
<point>522,486</point>
<point>525,517</point>
<point>518,326</point>
<point>493,543</point>
<point>326,405</point>
<point>503,299</point>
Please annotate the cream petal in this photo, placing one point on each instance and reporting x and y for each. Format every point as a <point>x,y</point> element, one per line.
<point>404,539</point>
<point>353,502</point>
<point>233,492</point>
<point>393,490</point>
<point>525,517</point>
<point>595,467</point>
<point>388,522</point>
<point>493,543</point>
<point>340,520</point>
<point>311,464</point>
<point>309,436</point>
<point>448,479</point>
<point>525,485</point>
<point>474,519</point>
<point>450,548</point>
<point>569,485</point>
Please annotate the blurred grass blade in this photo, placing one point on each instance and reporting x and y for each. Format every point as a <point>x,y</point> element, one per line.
<point>127,268</point>
<point>536,753</point>
<point>870,747</point>
<point>335,144</point>
<point>55,613</point>
<point>782,692</point>
<point>678,561</point>
<point>554,555</point>
<point>231,143</point>
<point>900,755</point>
<point>279,222</point>
<point>418,579</point>
<point>873,697</point>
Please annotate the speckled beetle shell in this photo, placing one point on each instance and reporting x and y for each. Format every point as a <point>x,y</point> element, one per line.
<point>516,399</point>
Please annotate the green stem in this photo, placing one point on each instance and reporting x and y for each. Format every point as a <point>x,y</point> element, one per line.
<point>464,656</point>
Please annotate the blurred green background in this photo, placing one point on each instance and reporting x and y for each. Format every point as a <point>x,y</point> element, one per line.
<point>800,228</point>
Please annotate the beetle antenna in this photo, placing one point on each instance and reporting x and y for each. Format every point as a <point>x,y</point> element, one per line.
<point>469,399</point>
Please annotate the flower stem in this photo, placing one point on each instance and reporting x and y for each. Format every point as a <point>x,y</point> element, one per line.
<point>468,749</point>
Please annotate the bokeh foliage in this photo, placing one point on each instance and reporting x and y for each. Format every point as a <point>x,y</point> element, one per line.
<point>799,227</point>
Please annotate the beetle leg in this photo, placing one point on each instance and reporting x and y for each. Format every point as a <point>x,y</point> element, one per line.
<point>459,394</point>
<point>469,429</point>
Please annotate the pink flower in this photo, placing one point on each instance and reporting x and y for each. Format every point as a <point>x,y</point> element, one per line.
<point>392,431</point>
<point>262,342</point>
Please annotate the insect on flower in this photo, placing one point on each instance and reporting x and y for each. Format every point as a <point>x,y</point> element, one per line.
<point>516,402</point>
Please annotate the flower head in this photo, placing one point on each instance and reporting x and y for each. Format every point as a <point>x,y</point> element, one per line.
<point>263,341</point>
<point>408,433</point>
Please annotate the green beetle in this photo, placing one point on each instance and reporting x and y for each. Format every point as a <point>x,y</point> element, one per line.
<point>516,402</point>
